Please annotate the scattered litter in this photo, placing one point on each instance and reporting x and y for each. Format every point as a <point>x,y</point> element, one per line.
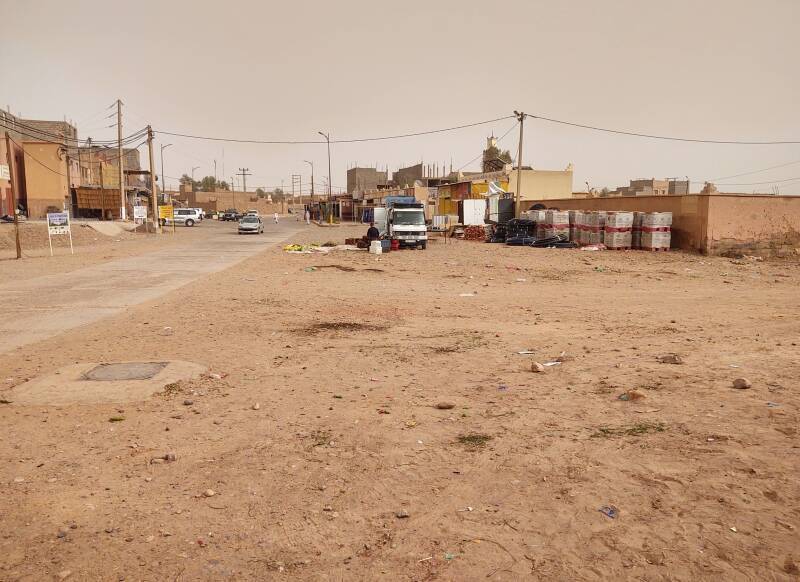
<point>468,508</point>
<point>609,511</point>
<point>630,395</point>
<point>310,269</point>
<point>467,294</point>
<point>521,280</point>
<point>209,493</point>
<point>383,411</point>
<point>449,556</point>
<point>600,269</point>
<point>648,410</point>
<point>402,514</point>
<point>741,383</point>
<point>670,359</point>
<point>600,247</point>
<point>734,530</point>
<point>116,419</point>
<point>502,387</point>
<point>256,406</point>
<point>552,364</point>
<point>526,352</point>
<point>425,559</point>
<point>734,366</point>
<point>773,405</point>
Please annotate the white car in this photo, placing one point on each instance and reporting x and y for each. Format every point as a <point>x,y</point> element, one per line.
<point>200,212</point>
<point>184,216</point>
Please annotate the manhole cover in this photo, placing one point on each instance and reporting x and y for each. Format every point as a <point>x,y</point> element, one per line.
<point>126,371</point>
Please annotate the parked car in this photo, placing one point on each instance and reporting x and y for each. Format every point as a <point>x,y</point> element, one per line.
<point>251,213</point>
<point>251,224</point>
<point>231,214</point>
<point>184,216</point>
<point>200,212</point>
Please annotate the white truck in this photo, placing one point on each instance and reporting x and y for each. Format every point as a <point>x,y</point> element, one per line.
<point>403,220</point>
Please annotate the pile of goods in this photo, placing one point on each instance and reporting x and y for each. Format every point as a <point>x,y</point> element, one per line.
<point>656,231</point>
<point>619,228</point>
<point>616,230</point>
<point>475,232</point>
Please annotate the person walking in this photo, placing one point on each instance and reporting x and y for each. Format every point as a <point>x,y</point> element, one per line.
<point>308,217</point>
<point>275,216</point>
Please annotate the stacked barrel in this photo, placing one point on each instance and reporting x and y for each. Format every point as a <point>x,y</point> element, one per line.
<point>657,231</point>
<point>618,231</point>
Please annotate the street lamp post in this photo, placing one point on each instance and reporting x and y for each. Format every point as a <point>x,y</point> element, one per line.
<point>193,169</point>
<point>327,137</point>
<point>163,183</point>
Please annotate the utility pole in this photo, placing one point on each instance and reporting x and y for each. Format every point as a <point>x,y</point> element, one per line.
<point>244,172</point>
<point>163,180</point>
<point>193,169</point>
<point>521,118</point>
<point>233,192</point>
<point>123,198</point>
<point>153,193</point>
<point>327,137</point>
<point>10,160</point>
<point>215,174</point>
<point>312,184</point>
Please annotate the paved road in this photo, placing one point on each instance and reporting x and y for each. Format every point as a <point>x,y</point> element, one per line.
<point>39,308</point>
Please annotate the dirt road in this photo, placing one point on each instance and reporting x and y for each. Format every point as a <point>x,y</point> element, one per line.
<point>40,307</point>
<point>315,450</point>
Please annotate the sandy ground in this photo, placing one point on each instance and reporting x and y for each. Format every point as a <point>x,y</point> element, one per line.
<point>346,470</point>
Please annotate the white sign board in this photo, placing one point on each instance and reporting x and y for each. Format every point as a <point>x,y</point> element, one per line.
<point>140,212</point>
<point>58,223</point>
<point>5,174</point>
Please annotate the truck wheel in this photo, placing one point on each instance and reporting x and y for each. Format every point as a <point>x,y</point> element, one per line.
<point>423,245</point>
<point>189,222</point>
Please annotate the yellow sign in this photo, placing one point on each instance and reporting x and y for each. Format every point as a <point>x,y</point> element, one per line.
<point>165,212</point>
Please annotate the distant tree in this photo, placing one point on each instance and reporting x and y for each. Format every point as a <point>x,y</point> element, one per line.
<point>208,184</point>
<point>224,185</point>
<point>261,193</point>
<point>186,179</point>
<point>605,192</point>
<point>278,195</point>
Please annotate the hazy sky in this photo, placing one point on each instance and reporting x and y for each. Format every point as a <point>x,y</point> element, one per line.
<point>720,69</point>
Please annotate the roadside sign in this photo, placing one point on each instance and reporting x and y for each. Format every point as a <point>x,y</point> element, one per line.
<point>140,212</point>
<point>5,174</point>
<point>58,224</point>
<point>166,212</point>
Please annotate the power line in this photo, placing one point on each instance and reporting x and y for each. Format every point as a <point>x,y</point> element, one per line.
<point>355,140</point>
<point>499,139</point>
<point>756,171</point>
<point>669,138</point>
<point>757,183</point>
<point>13,125</point>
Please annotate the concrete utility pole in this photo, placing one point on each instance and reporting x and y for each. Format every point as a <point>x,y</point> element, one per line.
<point>312,181</point>
<point>123,198</point>
<point>10,161</point>
<point>215,174</point>
<point>521,118</point>
<point>233,192</point>
<point>193,169</point>
<point>244,172</point>
<point>153,192</point>
<point>163,182</point>
<point>327,137</point>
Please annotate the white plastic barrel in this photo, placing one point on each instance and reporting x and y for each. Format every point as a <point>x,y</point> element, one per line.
<point>375,247</point>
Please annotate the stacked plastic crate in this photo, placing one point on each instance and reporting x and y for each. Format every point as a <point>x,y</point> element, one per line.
<point>556,223</point>
<point>574,221</point>
<point>657,231</point>
<point>594,227</point>
<point>636,230</point>
<point>619,226</point>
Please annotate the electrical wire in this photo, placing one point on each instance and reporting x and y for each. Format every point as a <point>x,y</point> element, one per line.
<point>499,139</point>
<point>355,140</point>
<point>13,125</point>
<point>669,138</point>
<point>757,183</point>
<point>756,171</point>
<point>35,159</point>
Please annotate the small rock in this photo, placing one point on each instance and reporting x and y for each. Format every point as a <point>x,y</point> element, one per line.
<point>156,460</point>
<point>537,367</point>
<point>209,493</point>
<point>215,376</point>
<point>670,359</point>
<point>631,395</point>
<point>741,383</point>
<point>445,405</point>
<point>170,457</point>
<point>64,574</point>
<point>188,402</point>
<point>565,357</point>
<point>402,514</point>
<point>19,479</point>
<point>62,533</point>
<point>256,406</point>
<point>327,508</point>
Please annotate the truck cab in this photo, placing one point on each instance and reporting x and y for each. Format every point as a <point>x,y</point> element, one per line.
<point>406,224</point>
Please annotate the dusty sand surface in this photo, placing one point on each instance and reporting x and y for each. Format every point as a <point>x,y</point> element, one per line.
<point>314,450</point>
<point>91,248</point>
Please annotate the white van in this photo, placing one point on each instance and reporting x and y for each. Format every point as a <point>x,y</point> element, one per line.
<point>184,216</point>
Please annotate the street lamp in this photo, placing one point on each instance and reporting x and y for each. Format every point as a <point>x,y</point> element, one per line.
<point>163,183</point>
<point>327,137</point>
<point>193,169</point>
